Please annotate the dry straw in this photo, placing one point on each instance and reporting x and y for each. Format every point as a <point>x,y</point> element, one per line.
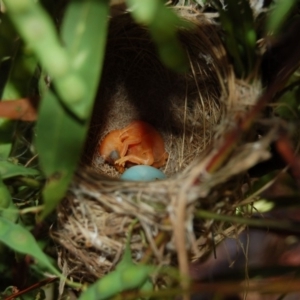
<point>192,111</point>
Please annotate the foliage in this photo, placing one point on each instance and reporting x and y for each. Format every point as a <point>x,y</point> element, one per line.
<point>19,239</point>
<point>126,276</point>
<point>61,147</point>
<point>62,66</point>
<point>240,40</point>
<point>161,21</point>
<point>280,12</point>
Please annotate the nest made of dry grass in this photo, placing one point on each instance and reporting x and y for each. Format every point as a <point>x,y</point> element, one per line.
<point>184,108</point>
<point>191,111</point>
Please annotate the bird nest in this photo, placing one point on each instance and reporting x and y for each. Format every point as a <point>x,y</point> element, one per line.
<point>192,111</point>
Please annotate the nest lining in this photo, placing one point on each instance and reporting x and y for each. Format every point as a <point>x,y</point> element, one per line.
<point>191,111</point>
<point>184,108</point>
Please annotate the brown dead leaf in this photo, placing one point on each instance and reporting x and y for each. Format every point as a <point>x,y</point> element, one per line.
<point>24,109</point>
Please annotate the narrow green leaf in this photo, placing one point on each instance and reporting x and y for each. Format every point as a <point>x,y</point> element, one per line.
<point>7,128</point>
<point>135,276</point>
<point>59,148</point>
<point>21,240</point>
<point>104,288</point>
<point>147,287</point>
<point>5,150</point>
<point>163,24</point>
<point>288,106</point>
<point>59,137</point>
<point>5,198</point>
<point>21,74</point>
<point>8,209</point>
<point>279,14</point>
<point>126,258</point>
<point>38,30</point>
<point>240,40</point>
<point>126,276</point>
<point>144,11</point>
<point>111,284</point>
<point>5,65</point>
<point>11,213</point>
<point>17,75</point>
<point>7,37</point>
<point>9,169</point>
<point>55,190</point>
<point>84,33</point>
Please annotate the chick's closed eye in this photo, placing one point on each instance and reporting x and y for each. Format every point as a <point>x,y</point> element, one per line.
<point>114,155</point>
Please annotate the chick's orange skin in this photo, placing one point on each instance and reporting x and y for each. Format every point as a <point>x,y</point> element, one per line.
<point>111,147</point>
<point>138,143</point>
<point>111,143</point>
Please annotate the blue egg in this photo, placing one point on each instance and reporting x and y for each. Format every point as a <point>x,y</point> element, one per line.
<point>142,173</point>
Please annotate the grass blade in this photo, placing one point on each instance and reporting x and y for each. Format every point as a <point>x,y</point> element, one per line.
<point>9,170</point>
<point>21,240</point>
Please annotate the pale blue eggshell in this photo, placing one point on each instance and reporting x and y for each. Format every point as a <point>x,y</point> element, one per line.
<point>142,173</point>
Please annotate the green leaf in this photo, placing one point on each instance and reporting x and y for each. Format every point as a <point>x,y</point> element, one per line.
<point>59,148</point>
<point>135,276</point>
<point>126,276</point>
<point>84,33</point>
<point>22,241</point>
<point>5,150</point>
<point>17,78</point>
<point>240,35</point>
<point>279,14</point>
<point>126,258</point>
<point>38,30</point>
<point>288,106</point>
<point>163,24</point>
<point>7,37</point>
<point>147,287</point>
<point>5,198</point>
<point>9,170</point>
<point>7,207</point>
<point>11,213</point>
<point>144,11</point>
<point>5,66</point>
<point>7,129</point>
<point>22,68</point>
<point>104,288</point>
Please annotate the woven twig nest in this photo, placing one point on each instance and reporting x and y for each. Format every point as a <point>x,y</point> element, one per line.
<point>191,111</point>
